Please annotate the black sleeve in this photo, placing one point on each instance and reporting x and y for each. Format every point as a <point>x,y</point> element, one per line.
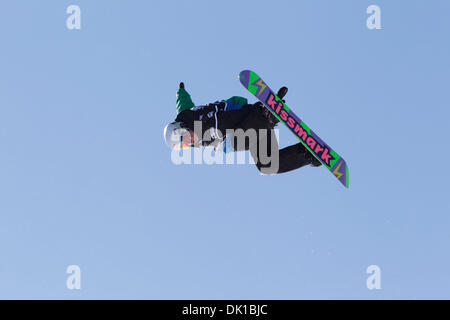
<point>213,116</point>
<point>206,115</point>
<point>187,117</point>
<point>233,119</point>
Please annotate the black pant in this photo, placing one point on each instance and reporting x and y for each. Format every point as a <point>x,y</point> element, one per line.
<point>289,158</point>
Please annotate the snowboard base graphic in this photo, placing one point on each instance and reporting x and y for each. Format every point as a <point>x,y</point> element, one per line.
<point>323,152</point>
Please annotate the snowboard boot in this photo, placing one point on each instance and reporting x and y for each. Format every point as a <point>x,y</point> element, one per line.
<point>311,159</point>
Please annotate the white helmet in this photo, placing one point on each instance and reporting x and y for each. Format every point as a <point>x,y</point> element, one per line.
<point>176,136</point>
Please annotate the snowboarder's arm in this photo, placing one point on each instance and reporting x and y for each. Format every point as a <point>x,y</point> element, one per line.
<point>184,101</point>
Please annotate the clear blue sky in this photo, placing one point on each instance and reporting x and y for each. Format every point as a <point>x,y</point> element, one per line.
<point>86,179</point>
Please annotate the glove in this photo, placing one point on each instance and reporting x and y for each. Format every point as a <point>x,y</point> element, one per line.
<point>282,92</point>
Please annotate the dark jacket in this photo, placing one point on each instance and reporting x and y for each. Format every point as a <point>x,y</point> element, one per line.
<point>215,120</point>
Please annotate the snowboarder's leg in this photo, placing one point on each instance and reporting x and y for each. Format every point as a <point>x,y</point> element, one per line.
<point>255,133</point>
<point>258,136</point>
<point>264,151</point>
<point>289,158</point>
<point>294,157</point>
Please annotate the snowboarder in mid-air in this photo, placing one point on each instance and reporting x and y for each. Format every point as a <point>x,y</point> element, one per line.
<point>233,114</point>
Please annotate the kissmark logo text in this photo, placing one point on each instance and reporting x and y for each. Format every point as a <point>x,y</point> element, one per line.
<point>322,152</point>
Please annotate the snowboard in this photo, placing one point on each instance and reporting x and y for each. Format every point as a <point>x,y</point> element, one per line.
<point>322,151</point>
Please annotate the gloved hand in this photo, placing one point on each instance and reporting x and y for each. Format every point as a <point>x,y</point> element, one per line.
<point>282,92</point>
<point>258,104</point>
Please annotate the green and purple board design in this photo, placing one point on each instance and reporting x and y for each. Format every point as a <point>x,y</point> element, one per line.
<point>323,152</point>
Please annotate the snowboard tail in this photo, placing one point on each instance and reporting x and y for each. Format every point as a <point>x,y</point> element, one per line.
<point>323,152</point>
